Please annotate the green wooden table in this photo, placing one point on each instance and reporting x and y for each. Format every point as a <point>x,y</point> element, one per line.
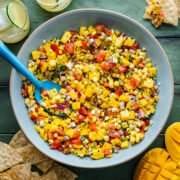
<point>169,38</point>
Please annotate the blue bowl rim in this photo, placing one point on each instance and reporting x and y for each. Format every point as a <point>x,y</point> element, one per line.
<point>128,19</point>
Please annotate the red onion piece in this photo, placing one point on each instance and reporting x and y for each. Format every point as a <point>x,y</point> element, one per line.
<point>43,57</point>
<point>121,104</point>
<point>140,114</point>
<point>147,97</point>
<point>68,98</point>
<point>79,94</point>
<point>61,107</point>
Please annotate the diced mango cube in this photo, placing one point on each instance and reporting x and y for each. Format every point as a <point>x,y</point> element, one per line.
<point>66,36</point>
<point>129,42</point>
<point>119,41</point>
<point>76,105</point>
<point>35,54</point>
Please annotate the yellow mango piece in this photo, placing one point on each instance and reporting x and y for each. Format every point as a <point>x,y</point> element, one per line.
<point>172,141</point>
<point>66,36</point>
<point>35,54</point>
<point>156,164</point>
<point>97,154</point>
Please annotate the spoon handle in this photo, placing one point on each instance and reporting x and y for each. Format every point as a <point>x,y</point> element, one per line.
<point>18,65</point>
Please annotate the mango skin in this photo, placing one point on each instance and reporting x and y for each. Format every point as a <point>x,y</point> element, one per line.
<point>157,164</point>
<point>172,141</point>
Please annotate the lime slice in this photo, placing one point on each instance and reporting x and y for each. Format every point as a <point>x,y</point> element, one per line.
<point>16,14</point>
<point>5,24</point>
<point>49,1</point>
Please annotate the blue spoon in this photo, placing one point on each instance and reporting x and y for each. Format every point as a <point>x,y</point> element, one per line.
<point>19,66</point>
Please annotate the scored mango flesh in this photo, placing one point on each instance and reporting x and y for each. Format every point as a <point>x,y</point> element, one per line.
<point>157,165</point>
<point>172,140</point>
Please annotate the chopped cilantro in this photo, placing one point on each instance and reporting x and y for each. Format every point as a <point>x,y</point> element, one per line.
<point>123,139</point>
<point>61,67</point>
<point>82,138</point>
<point>102,142</point>
<point>130,58</point>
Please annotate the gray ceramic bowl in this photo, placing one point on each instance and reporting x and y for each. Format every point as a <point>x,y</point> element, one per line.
<point>72,21</point>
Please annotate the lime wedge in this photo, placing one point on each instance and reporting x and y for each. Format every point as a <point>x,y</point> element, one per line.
<point>49,1</point>
<point>5,24</point>
<point>16,14</point>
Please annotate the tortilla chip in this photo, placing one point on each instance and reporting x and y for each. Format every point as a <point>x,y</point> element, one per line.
<point>19,140</point>
<point>31,154</point>
<point>5,176</point>
<point>168,8</point>
<point>177,2</point>
<point>63,173</point>
<point>51,175</point>
<point>35,176</point>
<point>8,157</point>
<point>20,172</point>
<point>45,165</point>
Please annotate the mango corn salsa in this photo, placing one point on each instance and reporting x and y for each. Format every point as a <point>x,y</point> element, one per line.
<point>108,92</point>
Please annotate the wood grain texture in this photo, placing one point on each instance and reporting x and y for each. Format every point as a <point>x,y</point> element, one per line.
<point>169,38</point>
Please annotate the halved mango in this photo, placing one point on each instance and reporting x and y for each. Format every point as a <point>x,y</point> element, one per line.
<point>172,141</point>
<point>157,165</point>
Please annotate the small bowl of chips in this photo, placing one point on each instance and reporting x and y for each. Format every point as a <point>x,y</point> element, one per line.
<point>162,11</point>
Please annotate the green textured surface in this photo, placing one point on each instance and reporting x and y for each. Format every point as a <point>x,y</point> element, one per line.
<point>169,38</point>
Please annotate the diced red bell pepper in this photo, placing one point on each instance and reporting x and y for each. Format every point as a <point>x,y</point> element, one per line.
<point>55,48</point>
<point>106,84</point>
<point>61,132</point>
<point>50,135</point>
<point>135,46</point>
<point>100,27</point>
<point>107,152</point>
<point>41,50</point>
<point>89,115</point>
<point>33,117</point>
<point>56,144</point>
<point>69,48</point>
<point>123,69</point>
<point>24,92</point>
<point>108,32</point>
<point>77,141</point>
<point>119,91</point>
<point>77,76</point>
<point>83,111</point>
<point>134,82</point>
<point>84,44</point>
<point>112,65</point>
<point>81,118</point>
<point>105,66</point>
<point>114,135</point>
<point>44,92</point>
<point>68,88</point>
<point>147,122</point>
<point>67,151</point>
<point>100,56</point>
<point>93,127</point>
<point>111,126</point>
<point>76,134</point>
<point>67,143</point>
<point>136,107</point>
